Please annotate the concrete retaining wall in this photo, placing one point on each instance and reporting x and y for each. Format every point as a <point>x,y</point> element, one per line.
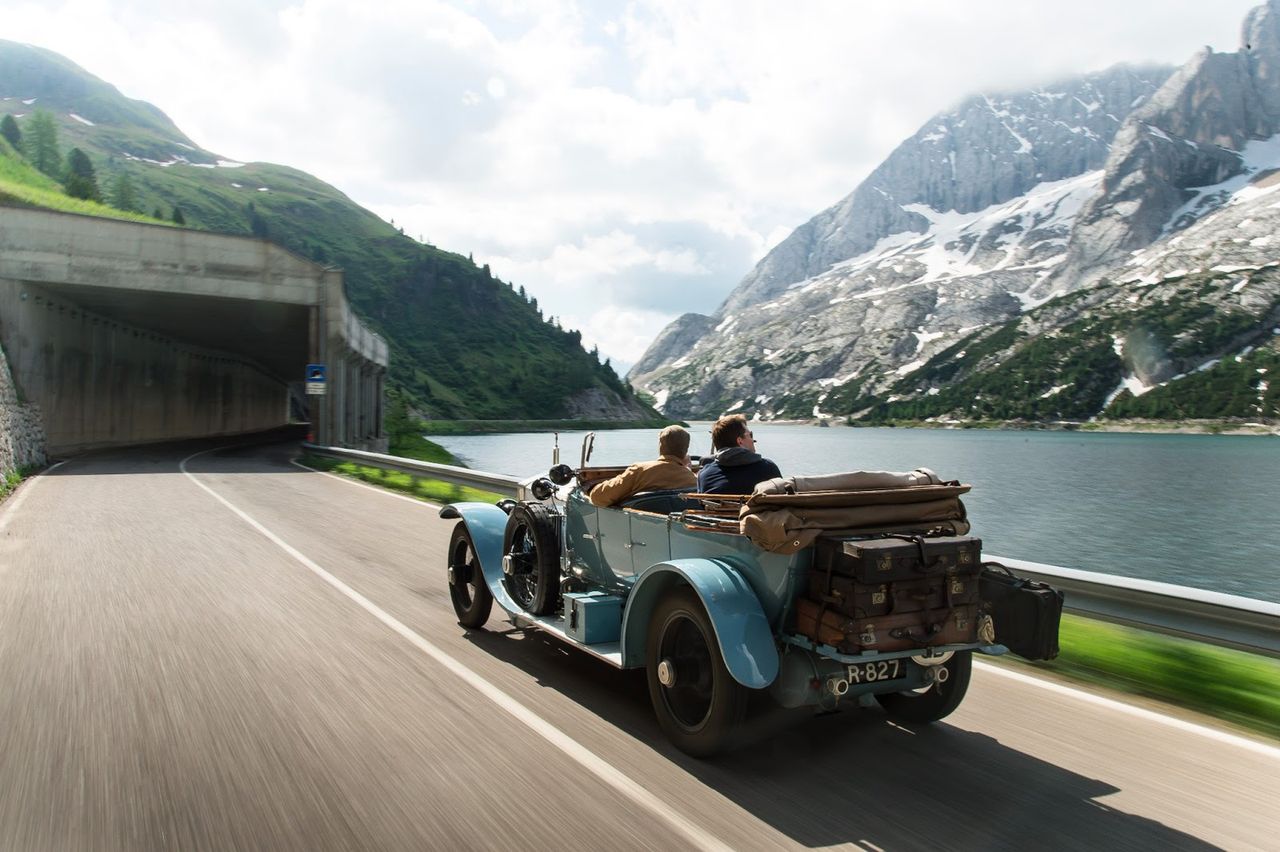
<point>101,382</point>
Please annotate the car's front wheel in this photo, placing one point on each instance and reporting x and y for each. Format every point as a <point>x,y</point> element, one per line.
<point>940,699</point>
<point>699,705</point>
<point>472,600</point>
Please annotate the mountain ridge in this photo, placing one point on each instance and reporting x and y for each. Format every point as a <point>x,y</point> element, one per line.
<point>883,333</point>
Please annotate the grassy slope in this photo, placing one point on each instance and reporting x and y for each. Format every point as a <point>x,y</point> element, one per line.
<point>1240,688</point>
<point>21,185</point>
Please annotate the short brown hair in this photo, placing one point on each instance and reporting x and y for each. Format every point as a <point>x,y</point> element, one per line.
<point>727,430</point>
<point>673,441</point>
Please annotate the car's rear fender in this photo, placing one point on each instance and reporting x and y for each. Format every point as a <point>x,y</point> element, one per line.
<point>742,631</point>
<point>487,524</point>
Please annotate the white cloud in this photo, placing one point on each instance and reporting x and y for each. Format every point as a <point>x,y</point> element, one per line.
<point>625,162</point>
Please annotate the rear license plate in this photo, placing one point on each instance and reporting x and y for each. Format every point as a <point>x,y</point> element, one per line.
<point>875,672</point>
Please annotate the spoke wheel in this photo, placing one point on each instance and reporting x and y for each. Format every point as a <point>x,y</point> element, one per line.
<point>698,703</point>
<point>471,597</point>
<point>531,544</point>
<point>936,702</point>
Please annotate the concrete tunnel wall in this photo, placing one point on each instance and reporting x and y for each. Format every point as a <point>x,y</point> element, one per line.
<point>100,382</point>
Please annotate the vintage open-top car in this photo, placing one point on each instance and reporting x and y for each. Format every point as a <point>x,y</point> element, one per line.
<point>859,586</point>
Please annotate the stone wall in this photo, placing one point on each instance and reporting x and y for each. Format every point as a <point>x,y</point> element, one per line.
<point>21,430</point>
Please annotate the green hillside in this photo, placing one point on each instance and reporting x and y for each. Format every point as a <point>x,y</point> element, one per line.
<point>463,344</point>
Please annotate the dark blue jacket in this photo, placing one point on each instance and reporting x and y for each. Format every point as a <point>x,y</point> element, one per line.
<point>735,471</point>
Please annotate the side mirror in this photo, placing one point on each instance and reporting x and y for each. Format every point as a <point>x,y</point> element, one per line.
<point>561,474</point>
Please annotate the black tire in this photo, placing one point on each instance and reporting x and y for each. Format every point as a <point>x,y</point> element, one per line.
<point>939,700</point>
<point>702,711</point>
<point>532,540</point>
<point>471,597</point>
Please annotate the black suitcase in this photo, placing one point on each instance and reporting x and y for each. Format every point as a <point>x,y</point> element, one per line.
<point>900,557</point>
<point>1026,613</point>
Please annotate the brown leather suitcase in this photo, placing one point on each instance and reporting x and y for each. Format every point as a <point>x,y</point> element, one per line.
<point>895,632</point>
<point>896,557</point>
<point>862,600</point>
<point>849,597</point>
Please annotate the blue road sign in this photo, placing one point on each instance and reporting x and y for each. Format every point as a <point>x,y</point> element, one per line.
<point>316,378</point>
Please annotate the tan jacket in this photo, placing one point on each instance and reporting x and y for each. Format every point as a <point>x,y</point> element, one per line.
<point>666,472</point>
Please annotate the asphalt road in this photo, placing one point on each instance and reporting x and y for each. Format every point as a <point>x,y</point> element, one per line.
<point>252,656</point>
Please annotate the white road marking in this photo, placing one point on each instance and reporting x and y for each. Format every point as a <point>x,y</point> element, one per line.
<point>572,748</point>
<point>1140,712</point>
<point>351,481</point>
<point>11,506</point>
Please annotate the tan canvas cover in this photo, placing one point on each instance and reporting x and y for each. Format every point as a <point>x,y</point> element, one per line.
<point>787,530</point>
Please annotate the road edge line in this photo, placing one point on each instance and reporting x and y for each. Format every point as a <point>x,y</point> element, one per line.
<point>1133,710</point>
<point>566,744</point>
<point>10,506</point>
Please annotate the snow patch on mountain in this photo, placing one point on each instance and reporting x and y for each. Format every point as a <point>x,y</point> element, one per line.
<point>1257,158</point>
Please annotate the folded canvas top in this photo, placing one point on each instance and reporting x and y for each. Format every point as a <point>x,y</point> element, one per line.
<point>789,529</point>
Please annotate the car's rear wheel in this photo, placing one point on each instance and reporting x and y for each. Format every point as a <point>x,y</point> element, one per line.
<point>699,705</point>
<point>531,560</point>
<point>471,597</point>
<point>939,700</point>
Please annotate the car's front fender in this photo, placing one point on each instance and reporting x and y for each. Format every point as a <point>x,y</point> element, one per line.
<point>742,631</point>
<point>487,524</point>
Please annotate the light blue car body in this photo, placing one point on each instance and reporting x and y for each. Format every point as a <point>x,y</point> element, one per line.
<point>640,556</point>
<point>743,613</point>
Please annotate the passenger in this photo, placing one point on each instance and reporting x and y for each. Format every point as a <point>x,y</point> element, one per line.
<point>735,467</point>
<point>671,470</point>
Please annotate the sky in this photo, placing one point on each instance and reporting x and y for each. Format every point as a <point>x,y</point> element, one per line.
<point>625,162</point>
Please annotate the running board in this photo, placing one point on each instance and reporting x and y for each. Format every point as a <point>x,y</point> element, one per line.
<point>610,652</point>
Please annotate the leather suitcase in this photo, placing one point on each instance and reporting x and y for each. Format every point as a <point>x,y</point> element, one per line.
<point>849,597</point>
<point>896,632</point>
<point>904,557</point>
<point>863,600</point>
<point>1026,613</point>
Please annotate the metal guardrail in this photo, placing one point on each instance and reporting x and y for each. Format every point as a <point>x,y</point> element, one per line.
<point>1227,620</point>
<point>495,482</point>
<point>1218,619</point>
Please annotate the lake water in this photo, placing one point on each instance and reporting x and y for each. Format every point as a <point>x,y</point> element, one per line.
<point>1197,510</point>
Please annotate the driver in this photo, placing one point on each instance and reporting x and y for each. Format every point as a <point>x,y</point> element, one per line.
<point>671,470</point>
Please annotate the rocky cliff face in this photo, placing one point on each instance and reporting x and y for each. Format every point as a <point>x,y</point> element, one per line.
<point>990,149</point>
<point>985,214</point>
<point>1191,134</point>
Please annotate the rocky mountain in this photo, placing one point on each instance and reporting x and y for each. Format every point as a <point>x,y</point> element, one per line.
<point>463,344</point>
<point>1008,243</point>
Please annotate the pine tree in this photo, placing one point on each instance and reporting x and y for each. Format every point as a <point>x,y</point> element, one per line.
<point>41,143</point>
<point>178,218</point>
<point>81,180</point>
<point>9,130</point>
<point>123,195</point>
<point>257,225</point>
<point>157,213</point>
